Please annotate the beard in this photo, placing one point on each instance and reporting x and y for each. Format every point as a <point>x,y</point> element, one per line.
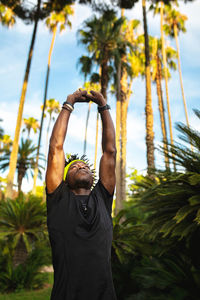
<point>81,182</point>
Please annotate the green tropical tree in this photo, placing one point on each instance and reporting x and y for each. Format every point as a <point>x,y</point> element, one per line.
<point>23,223</point>
<point>89,86</point>
<point>14,153</point>
<point>30,123</point>
<point>101,36</point>
<point>157,76</point>
<point>7,16</point>
<point>56,19</point>
<point>172,201</point>
<point>174,24</point>
<point>5,143</point>
<point>25,161</point>
<point>52,107</point>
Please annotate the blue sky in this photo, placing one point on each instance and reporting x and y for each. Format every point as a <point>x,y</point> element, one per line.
<point>65,78</point>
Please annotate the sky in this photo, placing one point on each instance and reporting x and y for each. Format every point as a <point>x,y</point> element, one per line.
<point>65,78</point>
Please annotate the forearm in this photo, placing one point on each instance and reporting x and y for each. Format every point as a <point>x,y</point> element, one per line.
<point>108,132</point>
<point>60,129</point>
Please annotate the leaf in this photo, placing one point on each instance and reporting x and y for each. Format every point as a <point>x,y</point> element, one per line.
<point>194,179</point>
<point>183,212</point>
<point>194,200</point>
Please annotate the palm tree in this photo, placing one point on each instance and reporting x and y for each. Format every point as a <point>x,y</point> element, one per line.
<point>5,143</point>
<point>89,86</point>
<point>157,76</point>
<point>25,161</point>
<point>124,63</point>
<point>14,153</point>
<point>166,74</point>
<point>31,123</point>
<point>53,21</point>
<point>175,22</point>
<point>7,16</point>
<point>148,108</point>
<point>23,222</point>
<point>101,36</point>
<point>52,107</point>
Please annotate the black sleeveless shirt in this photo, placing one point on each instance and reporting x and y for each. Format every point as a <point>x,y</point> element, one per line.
<point>80,233</point>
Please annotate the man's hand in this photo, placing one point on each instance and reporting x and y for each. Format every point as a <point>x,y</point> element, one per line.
<point>78,96</point>
<point>96,97</point>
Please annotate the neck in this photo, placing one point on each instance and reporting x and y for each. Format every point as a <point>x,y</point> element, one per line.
<point>81,191</point>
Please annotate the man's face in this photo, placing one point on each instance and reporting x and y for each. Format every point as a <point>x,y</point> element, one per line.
<point>79,175</point>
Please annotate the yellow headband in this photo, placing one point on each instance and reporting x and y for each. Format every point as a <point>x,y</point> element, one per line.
<point>66,169</point>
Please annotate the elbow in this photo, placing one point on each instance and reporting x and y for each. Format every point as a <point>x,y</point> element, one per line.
<point>54,145</point>
<point>112,151</point>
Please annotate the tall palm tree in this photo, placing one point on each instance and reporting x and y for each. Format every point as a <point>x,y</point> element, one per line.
<point>5,143</point>
<point>166,75</point>
<point>7,16</point>
<point>52,107</point>
<point>31,123</point>
<point>123,92</point>
<point>157,76</point>
<point>148,108</point>
<point>25,161</point>
<point>55,20</point>
<point>89,86</point>
<point>101,37</point>
<point>14,153</point>
<point>175,23</point>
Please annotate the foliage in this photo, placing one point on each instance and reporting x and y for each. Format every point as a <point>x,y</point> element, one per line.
<point>155,241</point>
<point>24,276</point>
<point>23,220</point>
<point>25,160</point>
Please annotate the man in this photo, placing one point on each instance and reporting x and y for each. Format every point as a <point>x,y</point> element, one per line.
<point>78,217</point>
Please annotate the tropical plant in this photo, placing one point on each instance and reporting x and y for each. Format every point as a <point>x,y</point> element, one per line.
<point>14,153</point>
<point>52,107</point>
<point>7,16</point>
<point>30,123</point>
<point>23,222</point>
<point>157,76</point>
<point>101,36</point>
<point>55,20</point>
<point>25,161</point>
<point>174,24</point>
<point>172,201</point>
<point>5,142</point>
<point>27,275</point>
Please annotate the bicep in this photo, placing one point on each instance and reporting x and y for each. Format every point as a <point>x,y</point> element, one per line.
<point>55,168</point>
<point>107,171</point>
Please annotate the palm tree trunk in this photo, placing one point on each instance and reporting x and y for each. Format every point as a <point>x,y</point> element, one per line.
<point>118,203</point>
<point>20,254</point>
<point>43,110</point>
<point>124,90</point>
<point>180,76</point>
<point>161,110</point>
<point>104,76</point>
<point>148,108</point>
<point>96,141</point>
<point>86,127</point>
<point>13,156</point>
<point>166,76</point>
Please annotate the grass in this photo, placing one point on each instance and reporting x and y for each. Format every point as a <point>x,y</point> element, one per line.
<point>43,294</point>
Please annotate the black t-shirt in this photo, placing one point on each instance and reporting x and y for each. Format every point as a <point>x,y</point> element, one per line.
<point>80,233</point>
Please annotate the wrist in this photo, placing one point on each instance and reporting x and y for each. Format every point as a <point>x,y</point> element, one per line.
<point>102,103</point>
<point>71,100</point>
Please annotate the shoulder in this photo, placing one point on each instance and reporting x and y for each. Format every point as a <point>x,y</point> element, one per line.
<point>100,190</point>
<point>54,197</point>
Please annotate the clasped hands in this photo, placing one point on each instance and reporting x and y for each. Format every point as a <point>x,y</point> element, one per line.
<point>83,96</point>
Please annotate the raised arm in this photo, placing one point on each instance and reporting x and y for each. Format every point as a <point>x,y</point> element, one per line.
<point>108,159</point>
<point>56,156</point>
